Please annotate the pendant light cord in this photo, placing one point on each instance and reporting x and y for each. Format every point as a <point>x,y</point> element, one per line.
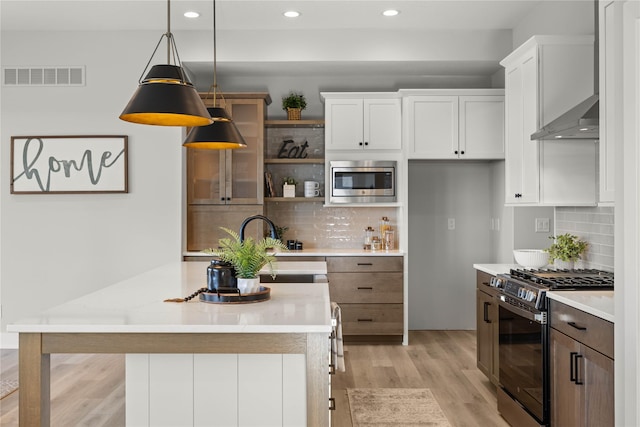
<point>215,48</point>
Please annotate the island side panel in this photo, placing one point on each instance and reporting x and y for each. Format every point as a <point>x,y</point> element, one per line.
<point>318,360</point>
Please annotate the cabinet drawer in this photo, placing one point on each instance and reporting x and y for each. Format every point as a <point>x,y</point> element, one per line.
<point>366,287</point>
<point>372,319</point>
<point>366,263</point>
<point>590,330</point>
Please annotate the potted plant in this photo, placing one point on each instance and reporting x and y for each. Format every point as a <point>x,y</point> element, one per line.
<point>567,248</point>
<point>293,104</point>
<point>247,257</point>
<point>289,187</point>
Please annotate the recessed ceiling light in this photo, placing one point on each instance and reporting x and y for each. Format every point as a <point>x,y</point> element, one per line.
<point>391,12</point>
<point>191,14</point>
<point>291,14</point>
<point>583,129</point>
<point>558,136</point>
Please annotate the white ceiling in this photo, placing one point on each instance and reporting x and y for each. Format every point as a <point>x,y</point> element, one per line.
<point>262,14</point>
<point>319,20</point>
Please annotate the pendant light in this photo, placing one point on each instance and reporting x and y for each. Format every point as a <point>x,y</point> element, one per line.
<point>165,97</point>
<point>222,133</point>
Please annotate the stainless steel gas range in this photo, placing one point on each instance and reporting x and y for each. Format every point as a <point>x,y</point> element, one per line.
<point>523,348</point>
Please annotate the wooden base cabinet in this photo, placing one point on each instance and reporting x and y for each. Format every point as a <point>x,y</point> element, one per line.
<point>582,368</point>
<point>487,327</point>
<point>369,291</point>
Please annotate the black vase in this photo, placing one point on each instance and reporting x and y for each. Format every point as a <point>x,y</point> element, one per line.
<point>221,277</point>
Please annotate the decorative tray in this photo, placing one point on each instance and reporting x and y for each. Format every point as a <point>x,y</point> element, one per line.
<point>264,294</point>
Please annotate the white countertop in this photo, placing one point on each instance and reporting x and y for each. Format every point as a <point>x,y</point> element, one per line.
<point>495,269</point>
<point>319,252</point>
<point>597,303</point>
<point>137,305</point>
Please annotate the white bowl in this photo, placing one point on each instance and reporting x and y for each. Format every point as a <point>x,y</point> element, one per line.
<point>531,258</point>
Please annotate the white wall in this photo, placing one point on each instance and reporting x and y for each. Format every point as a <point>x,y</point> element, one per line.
<point>56,247</point>
<point>556,17</point>
<point>441,274</point>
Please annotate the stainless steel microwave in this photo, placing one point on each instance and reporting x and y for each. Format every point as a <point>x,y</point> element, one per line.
<point>363,181</point>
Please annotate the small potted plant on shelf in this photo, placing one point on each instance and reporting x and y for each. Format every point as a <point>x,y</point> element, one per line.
<point>566,249</point>
<point>293,104</point>
<point>247,257</point>
<point>289,187</point>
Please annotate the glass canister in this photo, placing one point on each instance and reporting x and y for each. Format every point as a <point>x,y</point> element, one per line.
<point>389,239</point>
<point>376,243</point>
<point>385,225</point>
<point>368,236</point>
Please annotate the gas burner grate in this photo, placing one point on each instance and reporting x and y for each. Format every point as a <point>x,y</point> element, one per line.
<point>566,279</point>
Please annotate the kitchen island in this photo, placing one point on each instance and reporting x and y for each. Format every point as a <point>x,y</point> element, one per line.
<point>131,317</point>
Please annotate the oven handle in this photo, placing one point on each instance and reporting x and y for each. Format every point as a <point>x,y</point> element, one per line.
<point>538,318</point>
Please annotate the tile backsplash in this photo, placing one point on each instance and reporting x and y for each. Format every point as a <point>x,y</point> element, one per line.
<point>595,225</point>
<point>327,227</point>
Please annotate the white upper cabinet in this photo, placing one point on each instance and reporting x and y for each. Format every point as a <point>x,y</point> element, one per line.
<point>610,23</point>
<point>544,78</point>
<point>362,121</point>
<point>454,124</point>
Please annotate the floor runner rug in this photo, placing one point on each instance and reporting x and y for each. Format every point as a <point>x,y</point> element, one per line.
<point>7,387</point>
<point>398,407</point>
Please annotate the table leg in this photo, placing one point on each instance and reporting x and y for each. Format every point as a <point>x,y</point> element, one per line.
<point>34,380</point>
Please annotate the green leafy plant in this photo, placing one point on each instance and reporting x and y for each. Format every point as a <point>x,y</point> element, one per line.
<point>294,100</point>
<point>289,180</point>
<point>566,247</point>
<point>279,232</point>
<point>247,257</point>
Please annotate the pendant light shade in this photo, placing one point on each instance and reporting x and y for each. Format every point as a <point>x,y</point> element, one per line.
<point>221,135</point>
<point>164,100</point>
<point>165,97</point>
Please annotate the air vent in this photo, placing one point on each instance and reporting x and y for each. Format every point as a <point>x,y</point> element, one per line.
<point>43,76</point>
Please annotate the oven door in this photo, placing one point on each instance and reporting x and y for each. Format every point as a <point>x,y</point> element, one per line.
<point>523,358</point>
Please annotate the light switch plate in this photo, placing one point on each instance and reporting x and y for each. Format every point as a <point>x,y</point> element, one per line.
<point>542,225</point>
<point>451,223</point>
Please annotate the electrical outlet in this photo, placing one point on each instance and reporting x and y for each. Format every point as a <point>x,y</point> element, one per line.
<point>542,225</point>
<point>451,223</point>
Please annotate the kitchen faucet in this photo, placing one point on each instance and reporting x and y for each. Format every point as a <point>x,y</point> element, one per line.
<point>270,223</point>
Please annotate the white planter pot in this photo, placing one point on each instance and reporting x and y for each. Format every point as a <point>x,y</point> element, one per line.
<point>563,265</point>
<point>248,286</point>
<point>288,190</point>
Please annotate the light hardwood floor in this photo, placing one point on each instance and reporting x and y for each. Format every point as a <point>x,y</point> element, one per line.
<point>88,390</point>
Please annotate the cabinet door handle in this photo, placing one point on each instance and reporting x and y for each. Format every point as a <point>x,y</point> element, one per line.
<point>365,263</point>
<point>360,144</point>
<point>572,366</point>
<point>368,288</point>
<point>486,312</point>
<point>577,381</point>
<point>332,404</point>
<point>573,325</point>
<point>366,143</point>
<point>462,152</point>
<point>455,152</point>
<point>332,369</point>
<point>365,320</point>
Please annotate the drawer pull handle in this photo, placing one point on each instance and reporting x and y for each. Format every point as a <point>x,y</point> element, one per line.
<point>332,404</point>
<point>486,312</point>
<point>573,325</point>
<point>369,288</point>
<point>577,381</point>
<point>572,366</point>
<point>365,320</point>
<point>365,263</point>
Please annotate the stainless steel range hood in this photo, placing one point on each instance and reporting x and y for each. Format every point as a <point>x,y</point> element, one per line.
<point>583,120</point>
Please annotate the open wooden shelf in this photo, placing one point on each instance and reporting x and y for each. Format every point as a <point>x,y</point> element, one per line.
<point>292,161</point>
<point>294,199</point>
<point>295,123</point>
